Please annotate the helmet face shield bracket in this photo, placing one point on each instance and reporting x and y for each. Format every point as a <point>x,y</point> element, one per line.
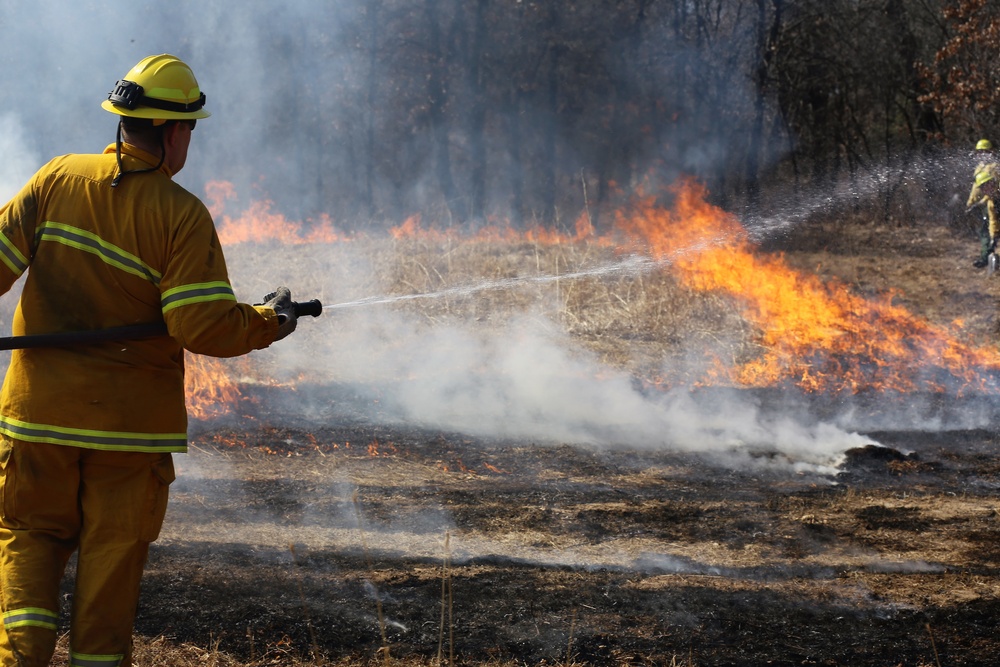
<point>126,94</point>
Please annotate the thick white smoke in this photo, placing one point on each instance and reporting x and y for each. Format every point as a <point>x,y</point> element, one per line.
<point>525,380</point>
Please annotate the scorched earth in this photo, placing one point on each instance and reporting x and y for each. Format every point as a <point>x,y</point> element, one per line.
<point>554,555</point>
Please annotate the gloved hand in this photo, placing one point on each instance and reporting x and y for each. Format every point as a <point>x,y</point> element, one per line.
<point>280,300</point>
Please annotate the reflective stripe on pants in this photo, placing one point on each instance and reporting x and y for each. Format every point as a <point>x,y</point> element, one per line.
<point>56,499</point>
<point>82,660</point>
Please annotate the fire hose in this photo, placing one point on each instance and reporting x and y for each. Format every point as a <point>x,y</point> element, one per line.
<point>311,308</point>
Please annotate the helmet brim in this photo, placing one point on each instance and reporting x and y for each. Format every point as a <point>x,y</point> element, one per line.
<point>154,114</point>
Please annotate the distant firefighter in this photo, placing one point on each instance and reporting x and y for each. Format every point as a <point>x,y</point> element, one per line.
<point>982,204</point>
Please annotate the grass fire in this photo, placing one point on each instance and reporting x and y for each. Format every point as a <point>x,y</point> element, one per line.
<point>653,333</point>
<point>757,320</point>
<point>660,444</point>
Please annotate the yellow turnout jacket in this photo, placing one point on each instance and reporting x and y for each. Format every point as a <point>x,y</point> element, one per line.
<point>145,251</point>
<point>976,197</point>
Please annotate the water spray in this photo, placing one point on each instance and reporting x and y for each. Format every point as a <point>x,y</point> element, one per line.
<point>758,228</point>
<point>632,264</point>
<point>795,209</point>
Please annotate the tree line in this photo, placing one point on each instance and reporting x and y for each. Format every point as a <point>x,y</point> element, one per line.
<point>472,112</point>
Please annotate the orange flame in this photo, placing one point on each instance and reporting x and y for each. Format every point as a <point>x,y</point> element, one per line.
<point>258,224</point>
<point>816,335</point>
<point>377,449</point>
<point>209,387</point>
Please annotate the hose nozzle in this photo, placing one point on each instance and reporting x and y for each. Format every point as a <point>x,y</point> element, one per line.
<point>312,308</point>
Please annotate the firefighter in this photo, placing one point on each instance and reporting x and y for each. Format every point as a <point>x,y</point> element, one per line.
<point>986,226</point>
<point>87,433</point>
<point>988,185</point>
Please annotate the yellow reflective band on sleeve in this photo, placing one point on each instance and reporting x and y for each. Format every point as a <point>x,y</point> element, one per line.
<point>111,254</point>
<point>31,616</point>
<point>87,660</point>
<point>122,441</point>
<point>197,293</point>
<point>12,257</point>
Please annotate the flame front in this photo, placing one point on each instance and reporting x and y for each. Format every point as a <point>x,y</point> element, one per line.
<point>809,333</point>
<point>259,224</point>
<point>816,335</point>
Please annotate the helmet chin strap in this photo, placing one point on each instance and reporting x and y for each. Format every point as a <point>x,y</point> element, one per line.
<point>118,158</point>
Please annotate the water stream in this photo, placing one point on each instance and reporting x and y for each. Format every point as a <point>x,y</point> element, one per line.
<point>629,265</point>
<point>791,211</point>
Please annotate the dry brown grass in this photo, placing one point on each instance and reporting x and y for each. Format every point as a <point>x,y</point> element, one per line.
<point>647,322</point>
<point>640,321</point>
<point>161,652</point>
<point>632,319</point>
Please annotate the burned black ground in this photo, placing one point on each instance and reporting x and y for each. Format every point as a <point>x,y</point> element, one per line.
<point>547,554</point>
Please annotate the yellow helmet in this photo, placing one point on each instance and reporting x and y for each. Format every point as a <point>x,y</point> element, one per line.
<point>984,145</point>
<point>159,88</point>
<point>983,177</point>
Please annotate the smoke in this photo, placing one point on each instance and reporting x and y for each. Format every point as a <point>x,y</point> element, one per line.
<point>295,90</point>
<point>62,59</point>
<point>530,381</point>
<point>525,380</point>
<point>274,73</point>
<point>19,159</point>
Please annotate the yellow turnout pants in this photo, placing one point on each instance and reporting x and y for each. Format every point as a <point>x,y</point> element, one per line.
<point>55,499</point>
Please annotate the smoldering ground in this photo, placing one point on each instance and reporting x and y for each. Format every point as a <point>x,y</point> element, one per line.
<point>611,551</point>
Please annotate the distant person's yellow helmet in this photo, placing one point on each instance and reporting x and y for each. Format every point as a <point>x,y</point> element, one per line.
<point>159,88</point>
<point>983,177</point>
<point>984,145</point>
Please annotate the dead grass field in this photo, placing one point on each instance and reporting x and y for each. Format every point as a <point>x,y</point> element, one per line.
<point>281,549</point>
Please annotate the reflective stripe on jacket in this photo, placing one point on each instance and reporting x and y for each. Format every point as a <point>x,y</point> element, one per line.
<point>98,257</point>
